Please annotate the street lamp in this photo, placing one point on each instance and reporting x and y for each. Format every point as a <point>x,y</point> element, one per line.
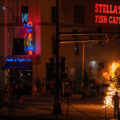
<point>12,13</point>
<point>11,97</point>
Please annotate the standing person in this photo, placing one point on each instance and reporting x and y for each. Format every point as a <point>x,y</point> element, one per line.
<point>115,100</point>
<point>5,96</point>
<point>38,86</point>
<point>43,88</point>
<point>34,90</point>
<point>52,86</point>
<point>1,95</point>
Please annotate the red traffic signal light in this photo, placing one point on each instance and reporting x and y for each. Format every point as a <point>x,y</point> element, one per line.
<point>8,70</point>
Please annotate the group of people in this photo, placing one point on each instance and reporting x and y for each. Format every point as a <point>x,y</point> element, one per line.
<point>7,91</point>
<point>4,95</point>
<point>91,92</point>
<point>39,88</point>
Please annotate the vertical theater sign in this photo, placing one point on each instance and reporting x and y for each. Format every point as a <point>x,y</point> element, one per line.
<point>28,38</point>
<point>28,44</point>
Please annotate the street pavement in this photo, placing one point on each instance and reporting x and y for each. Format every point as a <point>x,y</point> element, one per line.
<point>41,108</point>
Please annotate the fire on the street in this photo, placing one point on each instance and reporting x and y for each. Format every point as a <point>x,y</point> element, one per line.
<point>111,76</point>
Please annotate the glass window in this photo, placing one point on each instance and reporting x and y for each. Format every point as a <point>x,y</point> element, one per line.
<point>19,46</point>
<point>79,14</point>
<point>53,14</point>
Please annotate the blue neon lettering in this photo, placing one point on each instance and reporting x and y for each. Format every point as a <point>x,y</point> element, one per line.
<point>31,48</point>
<point>29,30</point>
<point>27,25</point>
<point>25,48</point>
<point>18,59</point>
<point>24,17</point>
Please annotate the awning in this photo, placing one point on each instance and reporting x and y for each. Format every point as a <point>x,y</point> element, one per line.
<point>21,66</point>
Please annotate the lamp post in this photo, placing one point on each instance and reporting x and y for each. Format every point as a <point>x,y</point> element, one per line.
<point>11,96</point>
<point>83,57</point>
<point>12,13</point>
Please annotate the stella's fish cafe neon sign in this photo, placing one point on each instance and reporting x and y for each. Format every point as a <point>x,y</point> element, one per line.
<point>107,13</point>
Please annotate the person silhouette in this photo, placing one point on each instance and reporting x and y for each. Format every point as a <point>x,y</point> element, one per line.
<point>115,100</point>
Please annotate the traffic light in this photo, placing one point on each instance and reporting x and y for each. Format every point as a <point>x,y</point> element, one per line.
<point>76,48</point>
<point>63,76</point>
<point>62,64</point>
<point>50,69</point>
<point>52,64</point>
<point>8,70</point>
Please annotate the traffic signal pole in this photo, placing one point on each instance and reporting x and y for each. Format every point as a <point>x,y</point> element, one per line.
<point>57,104</point>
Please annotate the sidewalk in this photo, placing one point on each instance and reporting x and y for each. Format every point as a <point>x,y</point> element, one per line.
<point>33,109</point>
<point>30,114</point>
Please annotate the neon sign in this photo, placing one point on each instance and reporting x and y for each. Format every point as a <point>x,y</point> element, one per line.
<point>28,46</point>
<point>18,59</point>
<point>107,13</point>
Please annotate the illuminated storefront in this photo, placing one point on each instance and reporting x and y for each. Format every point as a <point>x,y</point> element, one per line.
<point>22,73</point>
<point>27,49</point>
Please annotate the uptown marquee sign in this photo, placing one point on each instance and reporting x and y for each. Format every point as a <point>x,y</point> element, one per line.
<point>107,13</point>
<point>18,59</point>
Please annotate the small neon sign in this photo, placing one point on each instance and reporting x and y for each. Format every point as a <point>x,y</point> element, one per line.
<point>18,59</point>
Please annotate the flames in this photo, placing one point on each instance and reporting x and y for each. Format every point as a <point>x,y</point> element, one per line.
<point>111,77</point>
<point>113,68</point>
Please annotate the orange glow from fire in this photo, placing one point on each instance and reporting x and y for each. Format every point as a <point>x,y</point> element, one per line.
<point>113,69</point>
<point>111,76</point>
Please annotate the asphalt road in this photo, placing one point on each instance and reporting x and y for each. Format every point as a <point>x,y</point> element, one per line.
<point>42,108</point>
